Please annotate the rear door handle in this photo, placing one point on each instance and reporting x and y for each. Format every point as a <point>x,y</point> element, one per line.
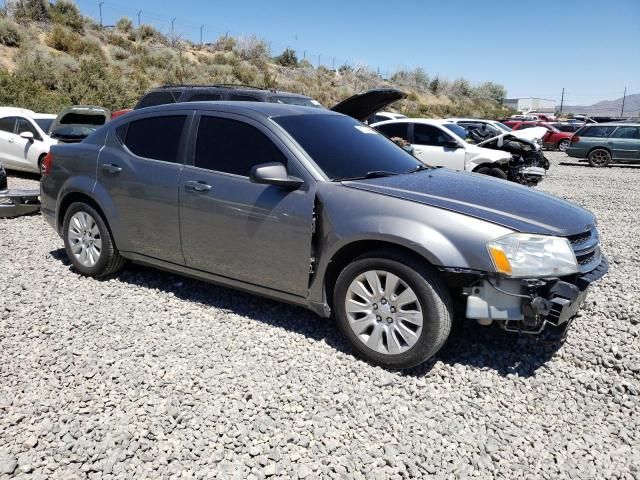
<point>11,140</point>
<point>111,168</point>
<point>197,186</point>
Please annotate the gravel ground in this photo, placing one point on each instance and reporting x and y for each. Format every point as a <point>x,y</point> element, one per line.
<point>150,375</point>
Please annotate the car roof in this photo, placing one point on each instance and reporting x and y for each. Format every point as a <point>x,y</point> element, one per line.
<point>11,111</point>
<point>225,87</point>
<point>614,124</point>
<point>262,109</point>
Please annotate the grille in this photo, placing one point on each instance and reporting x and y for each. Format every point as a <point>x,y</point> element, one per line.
<point>580,238</point>
<point>586,248</point>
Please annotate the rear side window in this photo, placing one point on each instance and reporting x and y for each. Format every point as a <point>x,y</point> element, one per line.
<point>159,98</point>
<point>598,131</point>
<point>204,97</point>
<point>627,132</point>
<point>429,135</point>
<point>392,130</point>
<point>233,147</point>
<point>157,138</point>
<point>7,124</point>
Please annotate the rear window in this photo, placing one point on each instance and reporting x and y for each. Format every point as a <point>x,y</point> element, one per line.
<point>157,138</point>
<point>159,98</point>
<point>597,131</point>
<point>204,97</point>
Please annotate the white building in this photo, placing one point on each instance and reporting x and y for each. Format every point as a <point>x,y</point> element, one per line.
<point>524,105</point>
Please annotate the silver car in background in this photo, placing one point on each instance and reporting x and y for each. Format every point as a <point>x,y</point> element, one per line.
<point>314,208</point>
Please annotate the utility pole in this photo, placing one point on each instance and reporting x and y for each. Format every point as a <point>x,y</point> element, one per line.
<point>304,55</point>
<point>562,100</point>
<point>201,27</point>
<point>100,7</point>
<point>624,97</point>
<point>139,13</point>
<point>173,37</point>
<point>333,63</point>
<point>319,55</point>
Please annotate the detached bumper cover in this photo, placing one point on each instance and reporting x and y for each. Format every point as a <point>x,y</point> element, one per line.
<point>14,203</point>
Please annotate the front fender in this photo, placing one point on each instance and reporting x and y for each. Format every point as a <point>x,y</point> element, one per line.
<point>475,162</point>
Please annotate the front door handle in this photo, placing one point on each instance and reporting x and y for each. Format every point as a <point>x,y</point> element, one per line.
<point>11,140</point>
<point>111,168</point>
<point>197,186</point>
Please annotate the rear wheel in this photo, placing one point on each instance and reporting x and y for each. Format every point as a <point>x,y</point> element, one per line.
<point>599,158</point>
<point>88,242</point>
<point>395,311</point>
<point>492,172</point>
<point>563,145</point>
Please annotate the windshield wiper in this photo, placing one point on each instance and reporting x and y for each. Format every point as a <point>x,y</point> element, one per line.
<point>371,174</point>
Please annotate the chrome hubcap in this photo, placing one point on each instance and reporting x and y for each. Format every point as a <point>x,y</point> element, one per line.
<point>563,146</point>
<point>84,239</point>
<point>384,312</point>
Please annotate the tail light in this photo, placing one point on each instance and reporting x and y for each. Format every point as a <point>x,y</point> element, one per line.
<point>47,164</point>
<point>575,139</point>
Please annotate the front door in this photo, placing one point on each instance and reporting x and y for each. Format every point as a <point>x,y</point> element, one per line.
<point>625,143</point>
<point>430,147</point>
<point>139,170</point>
<point>258,234</point>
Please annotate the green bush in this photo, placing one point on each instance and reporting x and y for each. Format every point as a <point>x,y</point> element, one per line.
<point>9,33</point>
<point>146,33</point>
<point>288,58</point>
<point>32,10</point>
<point>124,25</point>
<point>66,13</point>
<point>65,40</point>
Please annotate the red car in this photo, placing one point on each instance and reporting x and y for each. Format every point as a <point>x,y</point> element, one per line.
<point>554,138</point>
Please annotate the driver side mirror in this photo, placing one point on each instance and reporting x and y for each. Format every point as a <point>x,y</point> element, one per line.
<point>274,174</point>
<point>451,144</point>
<point>27,136</point>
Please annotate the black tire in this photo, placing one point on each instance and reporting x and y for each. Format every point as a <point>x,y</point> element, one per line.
<point>492,172</point>
<point>563,145</point>
<point>40,160</point>
<point>430,291</point>
<point>599,158</point>
<point>109,261</point>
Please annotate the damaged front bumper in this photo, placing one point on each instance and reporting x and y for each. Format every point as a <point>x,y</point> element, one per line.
<point>529,305</point>
<point>14,203</point>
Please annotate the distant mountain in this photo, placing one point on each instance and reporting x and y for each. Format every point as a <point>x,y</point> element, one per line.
<point>609,107</point>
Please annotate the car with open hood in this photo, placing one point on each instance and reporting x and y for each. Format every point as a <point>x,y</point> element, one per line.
<point>75,123</point>
<point>315,208</point>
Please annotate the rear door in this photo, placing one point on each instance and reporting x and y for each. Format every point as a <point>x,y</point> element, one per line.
<point>430,147</point>
<point>139,170</point>
<point>8,149</point>
<point>258,234</point>
<point>625,143</point>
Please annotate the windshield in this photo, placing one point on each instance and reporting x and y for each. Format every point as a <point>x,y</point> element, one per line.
<point>502,126</point>
<point>301,101</point>
<point>344,148</point>
<point>44,123</point>
<point>457,129</point>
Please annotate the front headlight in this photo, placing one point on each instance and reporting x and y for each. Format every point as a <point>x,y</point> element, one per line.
<point>525,255</point>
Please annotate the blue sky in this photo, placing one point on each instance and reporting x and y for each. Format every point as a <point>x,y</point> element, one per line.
<point>534,48</point>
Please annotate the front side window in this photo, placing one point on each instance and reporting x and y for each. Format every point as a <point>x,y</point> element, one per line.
<point>627,132</point>
<point>8,124</point>
<point>598,131</point>
<point>395,130</point>
<point>344,148</point>
<point>157,138</point>
<point>230,146</point>
<point>424,134</point>
<point>24,125</point>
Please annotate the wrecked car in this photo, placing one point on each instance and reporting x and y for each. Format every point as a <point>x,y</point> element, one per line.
<point>314,208</point>
<point>14,203</point>
<point>528,165</point>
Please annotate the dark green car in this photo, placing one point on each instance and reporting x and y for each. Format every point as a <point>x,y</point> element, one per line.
<point>605,143</point>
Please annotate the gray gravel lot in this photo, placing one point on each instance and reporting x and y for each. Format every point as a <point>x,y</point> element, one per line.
<point>150,375</point>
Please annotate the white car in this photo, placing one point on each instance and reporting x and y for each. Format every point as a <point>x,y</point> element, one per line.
<point>384,116</point>
<point>441,143</point>
<point>486,128</point>
<point>23,140</point>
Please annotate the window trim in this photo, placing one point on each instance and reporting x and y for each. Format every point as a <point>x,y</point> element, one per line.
<point>181,153</point>
<point>292,160</point>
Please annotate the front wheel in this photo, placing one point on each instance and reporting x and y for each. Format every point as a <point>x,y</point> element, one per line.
<point>599,158</point>
<point>395,311</point>
<point>88,242</point>
<point>563,145</point>
<point>492,172</point>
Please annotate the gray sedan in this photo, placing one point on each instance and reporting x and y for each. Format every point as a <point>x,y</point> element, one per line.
<point>314,208</point>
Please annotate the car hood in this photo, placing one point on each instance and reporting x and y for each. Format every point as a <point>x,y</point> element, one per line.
<point>362,105</point>
<point>513,206</point>
<point>501,139</point>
